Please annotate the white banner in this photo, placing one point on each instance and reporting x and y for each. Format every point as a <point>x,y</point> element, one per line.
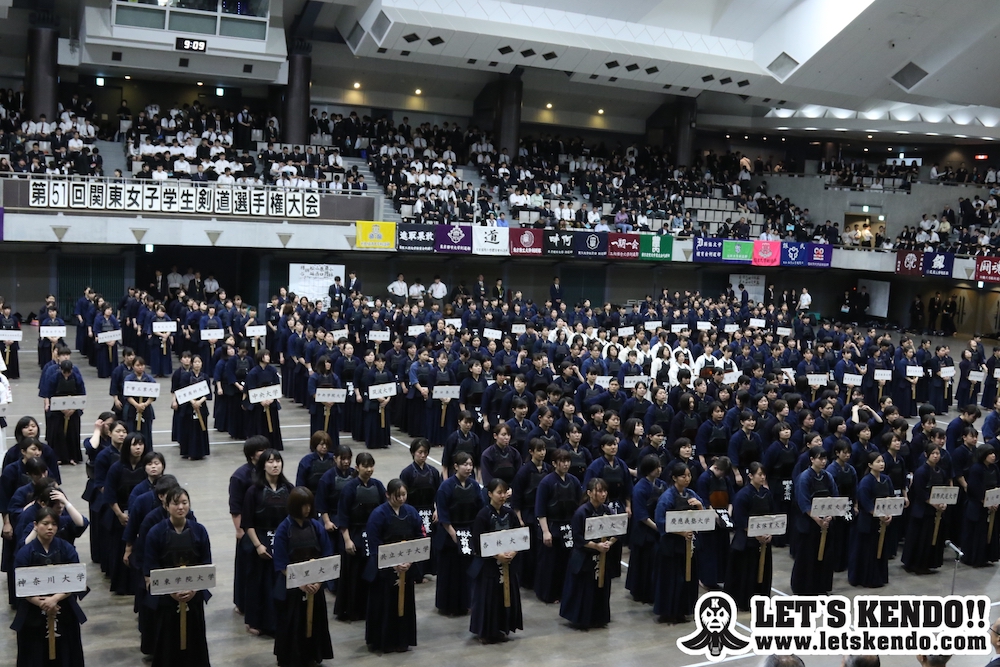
<point>446,391</point>
<point>603,381</point>
<point>684,521</point>
<point>652,326</point>
<point>50,579</point>
<point>732,377</point>
<point>191,392</point>
<point>12,335</point>
<point>269,393</point>
<point>502,541</point>
<point>817,379</point>
<point>852,380</point>
<point>702,325</point>
<point>783,331</point>
<point>943,495</point>
<point>51,332</point>
<point>630,381</point>
<point>823,507</point>
<point>769,524</point>
<point>607,525</point>
<point>492,334</point>
<point>892,506</point>
<point>179,579</point>
<point>730,328</point>
<point>677,328</point>
<point>411,551</point>
<point>141,389</point>
<point>164,327</point>
<point>491,241</point>
<point>210,335</point>
<point>757,323</point>
<point>453,322</point>
<point>340,333</point>
<point>977,376</point>
<point>626,331</point>
<point>57,403</point>
<point>518,328</point>
<point>379,335</point>
<point>312,572</point>
<point>991,497</point>
<point>109,336</point>
<point>387,390</point>
<point>313,281</point>
<point>256,331</point>
<point>331,395</point>
<point>414,330</point>
<point>883,374</point>
<point>918,371</point>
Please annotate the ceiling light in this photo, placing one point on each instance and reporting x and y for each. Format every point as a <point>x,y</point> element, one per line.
<point>128,78</point>
<point>357,85</point>
<point>100,81</point>
<point>961,136</point>
<point>864,209</point>
<point>782,138</point>
<point>201,83</point>
<point>869,136</point>
<point>987,138</point>
<point>745,136</point>
<point>901,132</point>
<point>881,218</point>
<point>866,150</point>
<point>782,128</point>
<point>549,105</point>
<point>933,134</point>
<point>417,91</point>
<point>889,149</point>
<point>219,92</point>
<point>810,129</point>
<point>600,111</point>
<point>727,136</point>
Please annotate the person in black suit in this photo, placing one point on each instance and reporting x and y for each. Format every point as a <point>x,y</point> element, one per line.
<point>479,289</point>
<point>770,296</point>
<point>353,283</point>
<point>158,288</point>
<point>196,288</point>
<point>744,296</point>
<point>555,293</point>
<point>336,294</point>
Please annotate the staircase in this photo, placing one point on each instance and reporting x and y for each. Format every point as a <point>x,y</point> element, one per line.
<point>113,153</point>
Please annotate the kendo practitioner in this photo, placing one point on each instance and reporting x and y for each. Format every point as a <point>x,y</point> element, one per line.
<point>328,497</point>
<point>9,348</point>
<point>194,415</point>
<point>779,462</point>
<point>586,598</point>
<point>239,483</point>
<point>980,546</point>
<point>459,499</point>
<point>358,499</point>
<point>716,486</point>
<point>865,567</point>
<point>138,411</point>
<point>238,367</point>
<point>377,418</point>
<point>811,576</point>
<point>920,556</point>
<point>106,355</point>
<point>264,415</point>
<point>522,500</point>
<point>618,480</point>
<point>422,482</point>
<point>316,463</point>
<point>63,426</point>
<point>492,619</point>
<point>123,476</point>
<point>643,535</point>
<point>324,416</point>
<point>676,595</point>
<point>557,497</point>
<point>742,582</point>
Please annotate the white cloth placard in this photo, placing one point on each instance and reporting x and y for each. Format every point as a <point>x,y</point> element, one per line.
<point>502,541</point>
<point>446,391</point>
<point>261,394</point>
<point>683,521</point>
<point>57,403</point>
<point>179,579</point>
<point>164,327</point>
<point>410,551</point>
<point>830,506</point>
<point>768,524</point>
<point>312,572</point>
<point>386,390</point>
<point>331,395</point>
<point>607,525</point>
<point>187,394</point>
<point>51,332</point>
<point>50,579</point>
<point>141,389</point>
<point>257,330</point>
<point>943,495</point>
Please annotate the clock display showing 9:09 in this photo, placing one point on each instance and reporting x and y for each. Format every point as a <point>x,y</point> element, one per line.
<point>184,44</point>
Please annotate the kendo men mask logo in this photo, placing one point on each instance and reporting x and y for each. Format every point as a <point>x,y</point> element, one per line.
<point>715,636</point>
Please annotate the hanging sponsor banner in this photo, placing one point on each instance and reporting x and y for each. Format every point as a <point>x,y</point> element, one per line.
<point>766,253</point>
<point>372,235</point>
<point>526,241</point>
<point>737,252</point>
<point>558,244</point>
<point>623,246</point>
<point>491,241</point>
<point>415,238</point>
<point>794,254</point>
<point>590,244</point>
<point>707,250</point>
<point>452,239</point>
<point>988,269</point>
<point>820,255</point>
<point>939,264</point>
<point>909,263</point>
<point>653,247</point>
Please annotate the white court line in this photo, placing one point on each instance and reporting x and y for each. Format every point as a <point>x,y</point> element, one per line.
<point>400,442</point>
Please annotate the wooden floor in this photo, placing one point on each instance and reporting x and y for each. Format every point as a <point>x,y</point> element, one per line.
<point>633,638</point>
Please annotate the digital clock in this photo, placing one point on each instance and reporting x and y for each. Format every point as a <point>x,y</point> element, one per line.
<point>185,44</point>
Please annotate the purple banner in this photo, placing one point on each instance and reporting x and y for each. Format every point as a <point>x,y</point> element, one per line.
<point>820,255</point>
<point>707,250</point>
<point>453,239</point>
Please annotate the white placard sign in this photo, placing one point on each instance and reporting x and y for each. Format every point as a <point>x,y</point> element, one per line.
<point>677,328</point>
<point>977,376</point>
<point>331,395</point>
<point>57,403</point>
<point>142,389</point>
<point>883,374</point>
<point>892,506</point>
<point>652,326</point>
<point>991,497</point>
<point>410,551</point>
<point>603,381</point>
<point>783,331</point>
<point>789,373</point>
<point>852,380</point>
<point>189,393</point>
<point>50,579</point>
<point>379,335</point>
<point>453,322</point>
<point>492,334</point>
<point>768,524</point>
<point>11,335</point>
<point>823,507</point>
<point>943,495</point>
<point>757,323</point>
<point>343,333</point>
<point>446,391</point>
<point>702,325</point>
<point>947,371</point>
<point>518,328</point>
<point>179,579</point>
<point>109,336</point>
<point>916,371</point>
<point>502,541</point>
<point>996,373</point>
<point>732,377</point>
<point>312,572</point>
<point>414,329</point>
<point>51,332</point>
<point>309,280</point>
<point>164,327</point>
<point>212,334</point>
<point>257,330</point>
<point>684,521</point>
<point>387,390</point>
<point>731,328</point>
<point>607,525</point>
<point>261,394</point>
<point>817,379</point>
<point>626,331</point>
<point>630,381</point>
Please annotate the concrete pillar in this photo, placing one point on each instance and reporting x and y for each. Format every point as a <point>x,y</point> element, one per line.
<point>507,119</point>
<point>41,69</point>
<point>295,127</point>
<point>264,286</point>
<point>687,121</point>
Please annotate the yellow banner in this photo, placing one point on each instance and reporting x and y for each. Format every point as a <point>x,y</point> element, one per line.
<point>373,235</point>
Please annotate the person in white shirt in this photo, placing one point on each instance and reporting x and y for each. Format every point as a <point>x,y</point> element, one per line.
<point>398,289</point>
<point>935,174</point>
<point>416,292</point>
<point>923,236</point>
<point>448,154</point>
<point>75,144</point>
<point>556,189</point>
<point>593,217</point>
<point>437,291</point>
<point>181,166</point>
<point>602,226</point>
<point>805,299</point>
<point>226,138</point>
<point>159,174</point>
<point>226,178</point>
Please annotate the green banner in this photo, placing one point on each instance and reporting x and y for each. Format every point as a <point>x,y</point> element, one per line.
<point>653,247</point>
<point>737,251</point>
